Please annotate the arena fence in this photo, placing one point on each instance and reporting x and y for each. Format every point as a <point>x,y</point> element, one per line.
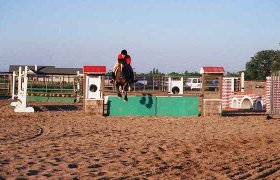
<point>5,85</point>
<point>148,83</point>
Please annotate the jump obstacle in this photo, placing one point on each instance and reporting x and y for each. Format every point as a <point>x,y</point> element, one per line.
<point>20,105</point>
<point>54,92</point>
<point>148,105</point>
<point>238,99</point>
<point>96,102</point>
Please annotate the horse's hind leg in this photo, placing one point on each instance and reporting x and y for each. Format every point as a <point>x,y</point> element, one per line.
<point>126,88</point>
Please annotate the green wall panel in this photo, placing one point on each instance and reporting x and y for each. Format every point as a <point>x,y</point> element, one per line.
<point>51,99</point>
<point>153,106</point>
<point>177,106</point>
<point>135,106</point>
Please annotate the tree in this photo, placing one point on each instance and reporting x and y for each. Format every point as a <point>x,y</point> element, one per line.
<point>175,74</point>
<point>233,74</point>
<point>262,65</point>
<point>188,74</point>
<point>155,73</point>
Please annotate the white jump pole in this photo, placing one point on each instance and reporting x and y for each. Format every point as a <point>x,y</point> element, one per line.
<point>14,85</point>
<point>23,91</point>
<point>242,81</point>
<point>19,79</point>
<point>169,85</point>
<point>78,83</point>
<point>20,105</point>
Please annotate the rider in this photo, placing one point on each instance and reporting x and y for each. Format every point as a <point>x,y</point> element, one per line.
<point>126,59</point>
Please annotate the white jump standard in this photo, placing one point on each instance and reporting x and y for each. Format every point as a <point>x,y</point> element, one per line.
<point>20,105</point>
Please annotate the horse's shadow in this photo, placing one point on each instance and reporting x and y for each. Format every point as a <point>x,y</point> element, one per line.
<point>148,102</point>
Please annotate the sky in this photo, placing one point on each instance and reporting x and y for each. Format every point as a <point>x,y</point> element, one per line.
<point>170,35</point>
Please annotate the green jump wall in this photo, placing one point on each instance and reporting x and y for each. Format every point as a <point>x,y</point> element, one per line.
<point>153,106</point>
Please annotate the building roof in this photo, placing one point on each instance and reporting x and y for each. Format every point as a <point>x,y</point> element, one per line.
<point>50,70</point>
<point>212,70</point>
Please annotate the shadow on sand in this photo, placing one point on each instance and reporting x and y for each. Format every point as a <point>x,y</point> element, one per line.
<point>57,108</point>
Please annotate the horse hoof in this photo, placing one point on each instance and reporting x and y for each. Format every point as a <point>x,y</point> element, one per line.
<point>125,99</point>
<point>119,95</point>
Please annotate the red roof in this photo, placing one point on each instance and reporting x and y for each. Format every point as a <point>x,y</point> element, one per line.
<point>95,69</point>
<point>212,69</point>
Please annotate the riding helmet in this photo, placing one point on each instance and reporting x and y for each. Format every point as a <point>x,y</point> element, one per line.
<point>124,52</point>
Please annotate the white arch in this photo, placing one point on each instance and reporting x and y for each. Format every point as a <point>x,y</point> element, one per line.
<point>234,103</point>
<point>246,103</point>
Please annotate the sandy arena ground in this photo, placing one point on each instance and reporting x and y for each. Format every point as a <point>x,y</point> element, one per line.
<point>61,142</point>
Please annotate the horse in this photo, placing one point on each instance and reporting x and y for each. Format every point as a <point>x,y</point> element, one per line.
<point>122,83</point>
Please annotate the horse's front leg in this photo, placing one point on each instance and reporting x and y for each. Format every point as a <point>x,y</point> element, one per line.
<point>118,90</point>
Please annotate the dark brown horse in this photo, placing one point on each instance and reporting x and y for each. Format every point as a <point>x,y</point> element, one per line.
<point>122,75</point>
